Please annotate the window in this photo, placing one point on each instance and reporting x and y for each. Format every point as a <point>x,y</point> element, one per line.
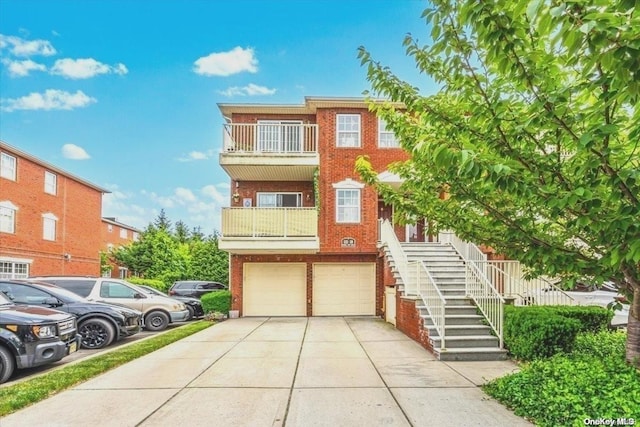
<point>7,217</point>
<point>122,272</point>
<point>49,221</point>
<point>109,228</point>
<point>27,295</point>
<point>7,166</point>
<point>279,136</point>
<point>279,200</point>
<point>136,236</point>
<point>14,269</point>
<point>123,233</point>
<point>106,272</point>
<point>386,138</point>
<point>348,130</point>
<point>116,290</point>
<point>110,248</point>
<point>348,201</point>
<point>50,183</point>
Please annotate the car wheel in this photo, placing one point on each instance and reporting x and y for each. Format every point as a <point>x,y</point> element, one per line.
<point>192,312</point>
<point>156,321</point>
<point>96,333</point>
<point>7,364</point>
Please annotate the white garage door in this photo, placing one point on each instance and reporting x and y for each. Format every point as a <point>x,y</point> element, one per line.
<point>344,289</point>
<point>274,289</point>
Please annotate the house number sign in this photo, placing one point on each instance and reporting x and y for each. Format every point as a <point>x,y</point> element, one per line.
<point>348,242</point>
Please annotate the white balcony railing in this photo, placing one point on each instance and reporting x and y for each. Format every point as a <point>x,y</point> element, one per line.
<point>269,222</point>
<point>272,138</point>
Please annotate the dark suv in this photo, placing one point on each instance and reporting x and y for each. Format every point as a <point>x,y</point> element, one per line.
<point>33,336</point>
<point>99,324</point>
<point>194,288</point>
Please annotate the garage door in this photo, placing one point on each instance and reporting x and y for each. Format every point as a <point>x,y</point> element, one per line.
<point>344,289</point>
<point>274,289</point>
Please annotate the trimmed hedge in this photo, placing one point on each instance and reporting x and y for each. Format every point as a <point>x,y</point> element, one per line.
<point>219,301</point>
<point>154,283</point>
<point>536,332</point>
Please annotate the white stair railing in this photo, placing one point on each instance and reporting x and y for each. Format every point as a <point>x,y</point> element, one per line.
<point>468,250</point>
<point>486,296</point>
<point>431,297</point>
<point>388,237</point>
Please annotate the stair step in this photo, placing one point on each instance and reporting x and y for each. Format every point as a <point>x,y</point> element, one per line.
<point>463,330</point>
<point>466,341</point>
<point>471,354</point>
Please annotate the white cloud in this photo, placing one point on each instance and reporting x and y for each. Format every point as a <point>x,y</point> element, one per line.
<point>212,191</point>
<point>224,185</point>
<point>184,195</point>
<point>74,152</point>
<point>196,155</point>
<point>249,90</point>
<point>234,61</point>
<point>51,99</point>
<point>85,68</point>
<point>21,47</point>
<point>164,202</point>
<point>22,68</point>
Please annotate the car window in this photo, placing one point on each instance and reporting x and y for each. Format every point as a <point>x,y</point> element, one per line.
<point>209,286</point>
<point>116,290</point>
<point>28,295</point>
<point>5,288</point>
<point>80,287</point>
<point>185,285</point>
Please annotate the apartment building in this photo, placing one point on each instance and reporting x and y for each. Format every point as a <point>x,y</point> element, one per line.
<point>115,235</point>
<point>46,218</point>
<point>302,229</point>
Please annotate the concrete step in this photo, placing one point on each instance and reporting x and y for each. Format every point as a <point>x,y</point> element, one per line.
<point>463,330</point>
<point>468,341</point>
<point>471,354</point>
<point>462,319</point>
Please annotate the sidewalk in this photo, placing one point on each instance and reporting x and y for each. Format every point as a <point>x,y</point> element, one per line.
<point>283,371</point>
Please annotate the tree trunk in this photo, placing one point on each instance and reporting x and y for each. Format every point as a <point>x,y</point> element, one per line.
<point>633,329</point>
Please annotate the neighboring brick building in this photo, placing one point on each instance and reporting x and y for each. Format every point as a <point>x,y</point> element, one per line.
<point>48,218</point>
<point>302,228</point>
<point>114,235</point>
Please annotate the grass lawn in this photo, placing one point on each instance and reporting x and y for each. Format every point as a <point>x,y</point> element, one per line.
<point>41,387</point>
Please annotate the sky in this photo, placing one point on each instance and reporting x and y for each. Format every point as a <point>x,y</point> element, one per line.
<point>124,94</point>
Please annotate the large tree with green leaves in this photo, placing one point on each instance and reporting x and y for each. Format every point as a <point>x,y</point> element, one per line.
<point>533,134</point>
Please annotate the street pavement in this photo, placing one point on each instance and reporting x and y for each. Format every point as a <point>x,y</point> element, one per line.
<point>283,372</point>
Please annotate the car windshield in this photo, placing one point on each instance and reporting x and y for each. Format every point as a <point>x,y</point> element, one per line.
<point>4,300</point>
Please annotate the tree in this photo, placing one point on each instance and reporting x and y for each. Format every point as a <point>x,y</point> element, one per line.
<point>181,232</point>
<point>207,261</point>
<point>162,222</point>
<point>533,134</point>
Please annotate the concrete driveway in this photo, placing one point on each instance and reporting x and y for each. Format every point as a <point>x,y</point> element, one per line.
<point>283,372</point>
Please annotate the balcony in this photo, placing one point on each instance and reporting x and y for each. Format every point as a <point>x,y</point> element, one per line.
<point>269,230</point>
<point>275,151</point>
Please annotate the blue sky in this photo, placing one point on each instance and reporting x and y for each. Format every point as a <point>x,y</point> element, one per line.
<point>124,94</point>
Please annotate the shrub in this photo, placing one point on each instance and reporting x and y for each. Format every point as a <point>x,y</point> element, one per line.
<point>216,301</point>
<point>591,382</point>
<point>592,318</point>
<point>535,334</point>
<point>154,283</point>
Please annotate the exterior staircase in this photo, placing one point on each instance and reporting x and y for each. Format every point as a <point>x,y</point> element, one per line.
<point>467,336</point>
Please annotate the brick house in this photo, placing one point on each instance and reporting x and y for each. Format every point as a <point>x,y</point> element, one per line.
<point>46,218</point>
<point>114,235</point>
<point>302,229</point>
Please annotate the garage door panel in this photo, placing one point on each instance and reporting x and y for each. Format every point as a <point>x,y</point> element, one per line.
<point>344,289</point>
<point>271,289</point>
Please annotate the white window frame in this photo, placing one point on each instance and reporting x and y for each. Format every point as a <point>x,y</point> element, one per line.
<point>123,233</point>
<point>14,268</point>
<point>8,217</point>
<point>277,199</point>
<point>49,226</point>
<point>50,183</point>
<point>343,130</point>
<point>355,189</point>
<point>110,228</point>
<point>136,236</point>
<point>390,140</point>
<point>8,166</point>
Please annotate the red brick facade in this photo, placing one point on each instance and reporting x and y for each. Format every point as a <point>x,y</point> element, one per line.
<point>76,204</point>
<point>114,235</point>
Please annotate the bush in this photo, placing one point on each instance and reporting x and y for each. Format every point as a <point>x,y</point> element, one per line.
<point>592,318</point>
<point>219,301</point>
<point>154,283</point>
<point>535,334</point>
<point>591,382</point>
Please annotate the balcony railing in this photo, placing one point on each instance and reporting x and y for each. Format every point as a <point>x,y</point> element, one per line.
<point>269,222</point>
<point>270,138</point>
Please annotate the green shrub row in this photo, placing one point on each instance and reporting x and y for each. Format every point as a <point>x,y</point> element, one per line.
<point>154,283</point>
<point>592,382</point>
<point>536,332</point>
<point>216,301</point>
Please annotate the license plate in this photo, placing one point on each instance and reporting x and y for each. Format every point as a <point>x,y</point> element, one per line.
<point>73,347</point>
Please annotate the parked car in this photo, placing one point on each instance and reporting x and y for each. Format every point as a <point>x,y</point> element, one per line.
<point>193,304</point>
<point>99,324</point>
<point>33,336</point>
<point>157,311</point>
<point>194,288</point>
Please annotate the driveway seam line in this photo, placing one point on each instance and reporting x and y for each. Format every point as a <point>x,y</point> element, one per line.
<point>295,374</point>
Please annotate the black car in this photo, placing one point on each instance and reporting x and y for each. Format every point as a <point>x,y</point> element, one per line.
<point>194,288</point>
<point>99,324</point>
<point>193,304</point>
<point>33,336</point>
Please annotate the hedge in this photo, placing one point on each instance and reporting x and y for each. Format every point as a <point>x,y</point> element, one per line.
<point>219,301</point>
<point>154,283</point>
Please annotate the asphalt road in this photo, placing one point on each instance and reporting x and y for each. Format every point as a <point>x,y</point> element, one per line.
<point>25,374</point>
